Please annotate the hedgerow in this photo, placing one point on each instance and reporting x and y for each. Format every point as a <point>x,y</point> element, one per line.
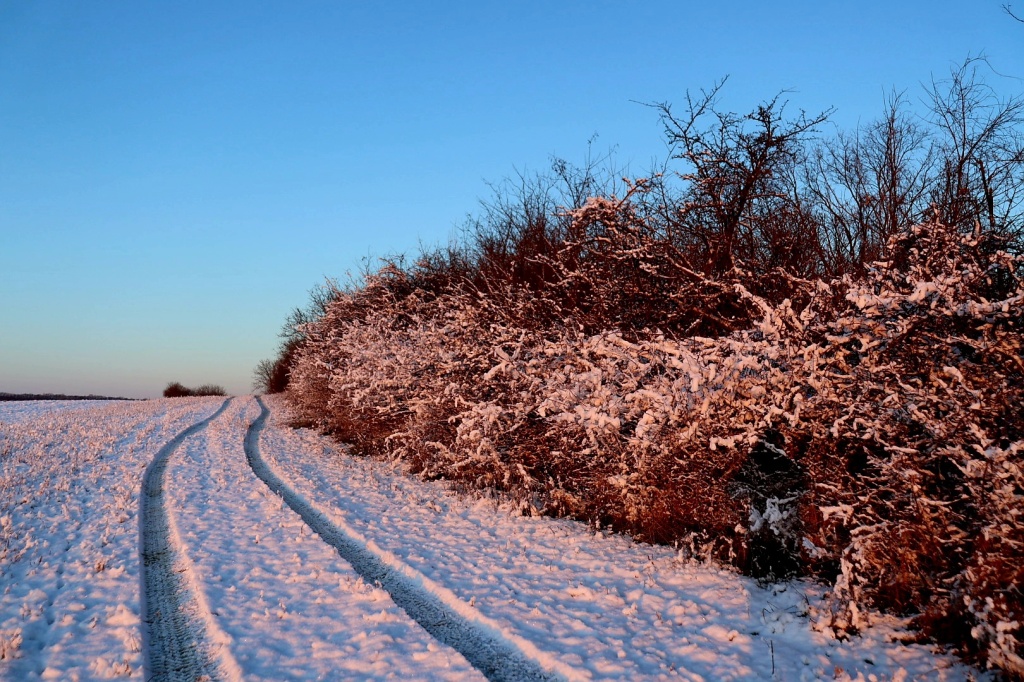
<point>854,415</point>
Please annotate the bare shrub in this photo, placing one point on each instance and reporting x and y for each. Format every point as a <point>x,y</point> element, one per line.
<point>177,390</point>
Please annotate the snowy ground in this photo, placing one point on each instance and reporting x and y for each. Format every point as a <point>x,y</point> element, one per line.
<point>69,560</point>
<point>277,602</point>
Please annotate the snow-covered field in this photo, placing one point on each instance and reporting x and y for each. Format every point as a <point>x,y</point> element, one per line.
<point>263,595</point>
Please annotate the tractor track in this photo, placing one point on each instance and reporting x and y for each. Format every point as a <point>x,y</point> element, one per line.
<point>176,639</point>
<point>486,648</point>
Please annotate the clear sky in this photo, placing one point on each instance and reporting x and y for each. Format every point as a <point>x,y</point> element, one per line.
<point>175,176</point>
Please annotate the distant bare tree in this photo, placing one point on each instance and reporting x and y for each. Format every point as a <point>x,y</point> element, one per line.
<point>271,376</point>
<point>262,375</point>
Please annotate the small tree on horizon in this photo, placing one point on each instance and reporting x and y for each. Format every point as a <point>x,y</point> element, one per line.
<point>177,390</point>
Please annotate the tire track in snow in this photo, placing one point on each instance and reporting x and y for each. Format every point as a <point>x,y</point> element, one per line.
<point>177,641</point>
<point>448,619</point>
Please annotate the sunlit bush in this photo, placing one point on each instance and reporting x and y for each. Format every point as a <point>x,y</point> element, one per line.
<point>803,405</point>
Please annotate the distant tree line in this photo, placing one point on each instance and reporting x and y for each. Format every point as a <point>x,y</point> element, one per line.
<point>177,390</point>
<point>54,396</point>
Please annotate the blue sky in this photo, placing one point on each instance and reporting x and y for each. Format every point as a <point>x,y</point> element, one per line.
<point>174,177</point>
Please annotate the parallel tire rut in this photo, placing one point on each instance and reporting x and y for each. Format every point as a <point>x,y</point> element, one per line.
<point>487,651</point>
<point>176,641</point>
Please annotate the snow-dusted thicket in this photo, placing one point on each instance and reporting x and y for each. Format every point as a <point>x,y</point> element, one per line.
<point>867,432</point>
<point>761,356</point>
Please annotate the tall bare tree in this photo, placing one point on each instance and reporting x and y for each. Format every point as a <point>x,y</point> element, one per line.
<point>981,144</point>
<point>737,171</point>
<point>869,184</point>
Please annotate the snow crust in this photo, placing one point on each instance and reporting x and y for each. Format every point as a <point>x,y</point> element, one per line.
<point>69,564</point>
<point>289,607</point>
<point>599,605</point>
